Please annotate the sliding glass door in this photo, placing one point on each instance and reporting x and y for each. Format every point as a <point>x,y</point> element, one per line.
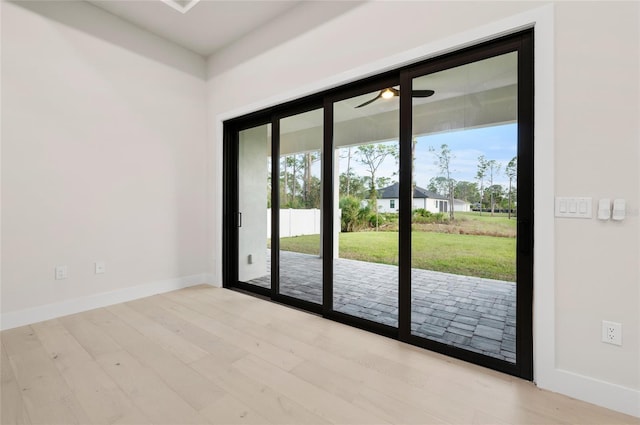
<point>365,257</point>
<point>401,204</point>
<point>464,219</point>
<point>300,213</point>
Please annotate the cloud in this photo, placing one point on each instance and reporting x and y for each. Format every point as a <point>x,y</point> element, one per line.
<point>495,142</point>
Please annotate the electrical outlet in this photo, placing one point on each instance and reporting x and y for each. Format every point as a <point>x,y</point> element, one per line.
<point>611,332</point>
<point>61,272</point>
<point>100,267</point>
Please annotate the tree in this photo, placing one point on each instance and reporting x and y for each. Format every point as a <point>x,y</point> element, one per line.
<point>382,182</point>
<point>493,167</point>
<point>353,185</point>
<point>372,156</point>
<point>438,185</point>
<point>511,171</point>
<point>309,159</point>
<point>497,195</point>
<point>444,157</point>
<point>296,165</point>
<point>313,197</point>
<point>349,207</point>
<point>480,176</point>
<point>467,191</point>
<point>269,182</point>
<point>414,141</point>
<point>284,181</point>
<point>291,188</point>
<point>348,175</point>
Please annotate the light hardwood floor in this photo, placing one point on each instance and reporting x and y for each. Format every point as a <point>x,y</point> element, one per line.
<point>208,355</point>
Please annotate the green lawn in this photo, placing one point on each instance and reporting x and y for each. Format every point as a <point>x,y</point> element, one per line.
<point>470,255</point>
<point>500,218</point>
<point>472,223</point>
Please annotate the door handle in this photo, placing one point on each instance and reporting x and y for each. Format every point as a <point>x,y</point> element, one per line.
<point>239,219</point>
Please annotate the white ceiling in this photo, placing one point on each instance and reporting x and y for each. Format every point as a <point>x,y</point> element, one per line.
<point>207,27</point>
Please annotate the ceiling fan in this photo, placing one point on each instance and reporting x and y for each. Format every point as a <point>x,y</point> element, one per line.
<point>390,92</point>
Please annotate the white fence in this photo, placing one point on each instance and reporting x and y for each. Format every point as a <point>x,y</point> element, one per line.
<point>295,222</point>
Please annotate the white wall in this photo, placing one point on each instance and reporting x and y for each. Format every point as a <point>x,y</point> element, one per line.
<point>384,205</point>
<point>587,145</point>
<point>428,204</point>
<point>431,205</point>
<point>103,158</point>
<point>252,202</point>
<point>597,146</point>
<point>462,206</point>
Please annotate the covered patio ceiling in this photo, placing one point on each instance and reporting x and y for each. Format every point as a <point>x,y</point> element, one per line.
<point>479,94</point>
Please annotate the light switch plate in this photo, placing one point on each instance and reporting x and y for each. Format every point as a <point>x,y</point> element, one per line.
<point>574,207</point>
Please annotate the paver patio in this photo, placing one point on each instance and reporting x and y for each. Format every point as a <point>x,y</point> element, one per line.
<point>473,313</point>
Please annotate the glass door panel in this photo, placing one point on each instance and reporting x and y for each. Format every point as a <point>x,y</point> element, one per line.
<point>366,150</point>
<point>463,240</point>
<point>254,198</point>
<point>301,138</point>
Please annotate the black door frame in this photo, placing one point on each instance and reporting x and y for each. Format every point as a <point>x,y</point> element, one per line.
<point>522,42</point>
<point>298,108</point>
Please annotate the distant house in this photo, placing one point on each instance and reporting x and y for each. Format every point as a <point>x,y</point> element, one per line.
<point>461,206</point>
<point>388,200</point>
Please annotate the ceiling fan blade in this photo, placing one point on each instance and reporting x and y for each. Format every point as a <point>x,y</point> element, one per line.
<point>396,92</point>
<point>370,101</point>
<point>422,93</point>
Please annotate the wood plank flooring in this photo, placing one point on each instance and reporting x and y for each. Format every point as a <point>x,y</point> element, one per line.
<point>209,355</point>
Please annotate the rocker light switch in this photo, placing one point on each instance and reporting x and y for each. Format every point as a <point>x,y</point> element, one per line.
<point>604,209</point>
<point>618,209</point>
<point>573,207</point>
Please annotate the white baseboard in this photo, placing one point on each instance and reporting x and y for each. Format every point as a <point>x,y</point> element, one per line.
<point>615,397</point>
<point>28,316</point>
<point>209,278</point>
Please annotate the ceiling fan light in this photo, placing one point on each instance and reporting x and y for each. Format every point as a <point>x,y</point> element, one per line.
<point>387,94</point>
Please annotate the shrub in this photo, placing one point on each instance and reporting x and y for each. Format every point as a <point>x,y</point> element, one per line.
<point>367,218</point>
<point>424,216</point>
<point>350,207</point>
<point>390,217</point>
<point>440,217</point>
<point>356,217</point>
<point>421,212</point>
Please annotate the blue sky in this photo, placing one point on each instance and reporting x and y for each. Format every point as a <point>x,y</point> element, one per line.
<point>495,142</point>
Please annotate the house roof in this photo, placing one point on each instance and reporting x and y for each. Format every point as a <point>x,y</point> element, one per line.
<point>392,192</point>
